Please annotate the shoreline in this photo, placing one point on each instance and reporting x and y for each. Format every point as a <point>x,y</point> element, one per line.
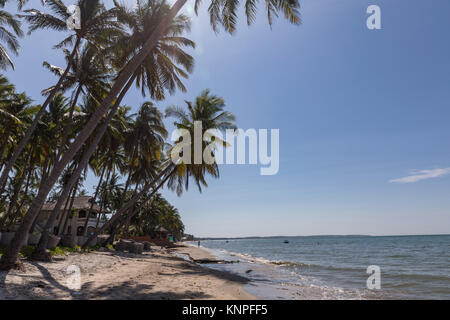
<point>111,275</point>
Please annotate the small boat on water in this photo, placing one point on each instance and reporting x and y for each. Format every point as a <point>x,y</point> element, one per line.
<point>285,241</point>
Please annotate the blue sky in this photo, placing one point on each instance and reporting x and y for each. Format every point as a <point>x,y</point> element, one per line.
<point>356,109</point>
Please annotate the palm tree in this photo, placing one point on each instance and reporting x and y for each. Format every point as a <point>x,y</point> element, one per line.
<point>15,113</point>
<point>20,3</point>
<point>98,27</point>
<point>81,165</point>
<point>288,7</point>
<point>208,109</point>
<point>159,71</point>
<point>47,185</point>
<point>157,213</point>
<point>10,38</point>
<point>143,144</point>
<point>89,75</point>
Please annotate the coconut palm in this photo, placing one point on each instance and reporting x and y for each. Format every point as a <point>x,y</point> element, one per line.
<point>143,144</point>
<point>89,75</point>
<point>208,109</point>
<point>288,7</point>
<point>71,186</point>
<point>7,20</point>
<point>15,114</point>
<point>98,27</point>
<point>167,61</point>
<point>47,185</point>
<point>20,3</point>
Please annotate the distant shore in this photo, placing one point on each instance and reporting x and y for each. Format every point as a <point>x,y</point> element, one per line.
<point>161,274</point>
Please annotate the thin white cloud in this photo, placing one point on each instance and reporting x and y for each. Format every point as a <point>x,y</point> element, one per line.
<point>418,175</point>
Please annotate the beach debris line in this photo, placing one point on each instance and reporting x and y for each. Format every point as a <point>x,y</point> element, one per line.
<point>214,261</point>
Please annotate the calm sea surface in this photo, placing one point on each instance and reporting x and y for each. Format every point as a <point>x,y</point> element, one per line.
<point>335,267</point>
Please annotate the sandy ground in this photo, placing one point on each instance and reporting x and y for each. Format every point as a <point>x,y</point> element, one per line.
<point>160,274</point>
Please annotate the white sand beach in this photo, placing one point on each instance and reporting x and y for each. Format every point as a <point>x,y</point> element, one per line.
<point>159,274</point>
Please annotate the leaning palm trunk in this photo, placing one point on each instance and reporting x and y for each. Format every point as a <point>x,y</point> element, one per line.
<point>93,202</point>
<point>42,245</point>
<point>29,133</point>
<point>68,127</point>
<point>128,218</point>
<point>63,216</point>
<point>76,174</point>
<point>102,200</point>
<point>10,257</point>
<point>130,204</point>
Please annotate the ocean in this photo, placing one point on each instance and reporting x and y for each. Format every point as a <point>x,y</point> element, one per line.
<point>335,267</point>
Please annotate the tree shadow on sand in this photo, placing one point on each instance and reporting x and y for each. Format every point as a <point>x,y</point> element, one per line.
<point>130,290</point>
<point>52,288</point>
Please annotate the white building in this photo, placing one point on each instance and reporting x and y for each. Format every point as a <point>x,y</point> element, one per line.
<point>74,221</point>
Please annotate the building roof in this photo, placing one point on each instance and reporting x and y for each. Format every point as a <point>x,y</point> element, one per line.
<point>80,203</point>
<point>161,229</point>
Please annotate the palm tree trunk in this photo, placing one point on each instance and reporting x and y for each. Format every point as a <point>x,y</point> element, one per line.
<point>15,197</point>
<point>27,186</point>
<point>10,257</point>
<point>102,200</point>
<point>128,219</point>
<point>29,132</point>
<point>68,127</point>
<point>46,168</point>
<point>69,210</point>
<point>42,245</point>
<point>131,203</point>
<point>76,174</point>
<point>93,201</point>
<point>3,148</point>
<point>63,214</point>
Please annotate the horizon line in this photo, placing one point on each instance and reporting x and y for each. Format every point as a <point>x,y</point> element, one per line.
<point>323,235</point>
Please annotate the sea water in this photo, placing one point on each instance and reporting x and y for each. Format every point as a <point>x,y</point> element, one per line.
<point>335,267</point>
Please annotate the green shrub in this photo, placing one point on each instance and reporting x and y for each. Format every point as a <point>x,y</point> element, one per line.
<point>27,251</point>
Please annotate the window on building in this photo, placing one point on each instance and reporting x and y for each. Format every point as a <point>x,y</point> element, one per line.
<point>82,214</point>
<point>80,231</point>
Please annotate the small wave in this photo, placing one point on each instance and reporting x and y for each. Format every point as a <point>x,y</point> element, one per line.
<point>289,264</point>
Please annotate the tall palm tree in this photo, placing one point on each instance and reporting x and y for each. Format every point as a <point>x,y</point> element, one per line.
<point>89,75</point>
<point>143,144</point>
<point>72,182</point>
<point>98,27</point>
<point>159,71</point>
<point>208,109</point>
<point>9,259</point>
<point>20,3</point>
<point>47,185</point>
<point>15,113</point>
<point>7,20</point>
